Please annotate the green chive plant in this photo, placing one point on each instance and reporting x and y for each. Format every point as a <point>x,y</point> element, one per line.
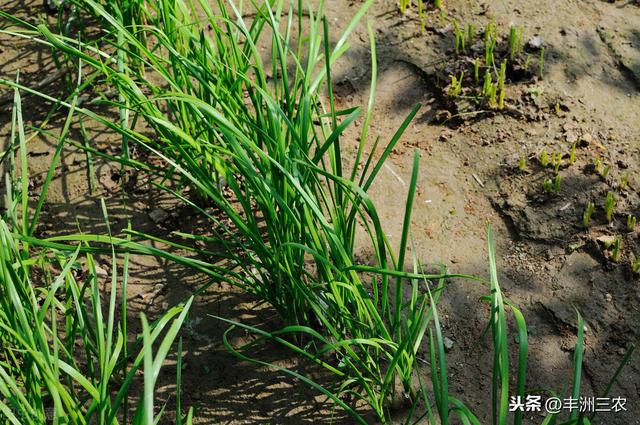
<point>586,215</point>
<point>609,205</point>
<point>289,199</point>
<point>624,181</point>
<point>65,355</point>
<point>631,223</point>
<point>635,265</point>
<point>260,138</point>
<point>617,247</point>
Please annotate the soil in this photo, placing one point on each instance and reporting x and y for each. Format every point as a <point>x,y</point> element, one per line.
<point>549,263</point>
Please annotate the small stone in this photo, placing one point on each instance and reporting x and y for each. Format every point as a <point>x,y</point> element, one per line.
<point>608,297</point>
<point>448,343</point>
<point>158,215</point>
<point>536,42</point>
<point>100,272</point>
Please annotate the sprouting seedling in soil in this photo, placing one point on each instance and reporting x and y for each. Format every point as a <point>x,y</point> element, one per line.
<point>442,15</point>
<point>421,16</point>
<point>501,98</point>
<point>471,33</point>
<point>609,204</point>
<point>631,223</point>
<point>486,86</point>
<point>605,172</point>
<point>520,42</point>
<point>513,42</point>
<point>557,108</point>
<point>635,265</point>
<point>460,37</point>
<point>541,62</point>
<point>544,158</point>
<point>489,43</point>
<point>588,212</point>
<point>624,181</point>
<point>598,165</point>
<point>522,163</point>
<point>617,249</point>
<point>572,153</point>
<point>476,69</point>
<point>556,185</point>
<point>492,95</point>
<point>501,78</point>
<point>456,85</point>
<point>438,4</point>
<point>503,74</point>
<point>404,4</point>
<point>527,61</point>
<point>547,185</point>
<point>556,161</point>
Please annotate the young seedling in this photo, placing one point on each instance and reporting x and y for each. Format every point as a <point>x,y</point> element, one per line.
<point>522,163</point>
<point>605,172</point>
<point>520,41</point>
<point>460,37</point>
<point>586,215</point>
<point>476,69</point>
<point>486,87</point>
<point>572,153</point>
<point>438,4</point>
<point>404,4</point>
<point>544,158</point>
<point>492,95</point>
<point>556,160</point>
<point>617,249</point>
<point>624,181</point>
<point>471,33</point>
<point>598,165</point>
<point>635,265</point>
<point>631,223</point>
<point>609,204</point>
<point>547,186</point>
<point>456,85</point>
<point>556,184</point>
<point>501,98</point>
<point>513,42</point>
<point>421,16</point>
<point>527,61</point>
<point>489,43</point>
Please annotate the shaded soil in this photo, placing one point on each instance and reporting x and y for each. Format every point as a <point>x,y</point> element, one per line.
<point>549,263</point>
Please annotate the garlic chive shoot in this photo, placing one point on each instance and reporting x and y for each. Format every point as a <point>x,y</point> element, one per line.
<point>624,181</point>
<point>631,223</point>
<point>572,153</point>
<point>544,158</point>
<point>635,265</point>
<point>617,249</point>
<point>588,212</point>
<point>609,204</point>
<point>556,185</point>
<point>522,163</point>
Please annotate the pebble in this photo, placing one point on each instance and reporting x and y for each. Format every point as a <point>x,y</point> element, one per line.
<point>448,343</point>
<point>158,215</point>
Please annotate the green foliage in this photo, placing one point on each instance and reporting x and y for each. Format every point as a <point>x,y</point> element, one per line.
<point>609,205</point>
<point>586,215</point>
<point>631,223</point>
<point>617,247</point>
<point>65,354</point>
